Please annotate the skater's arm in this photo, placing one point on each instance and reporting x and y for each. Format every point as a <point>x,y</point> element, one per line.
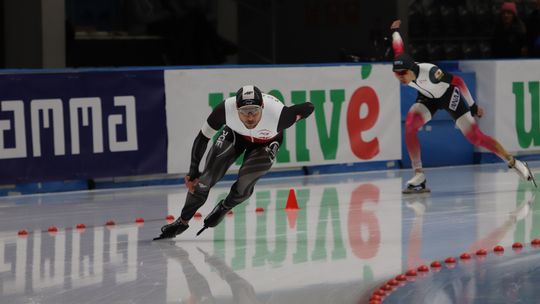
<point>215,120</point>
<point>397,41</point>
<point>197,152</point>
<point>462,86</point>
<point>290,115</point>
<point>210,127</point>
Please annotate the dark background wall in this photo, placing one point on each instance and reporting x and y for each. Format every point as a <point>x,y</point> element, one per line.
<point>22,39</point>
<point>82,33</point>
<point>306,31</point>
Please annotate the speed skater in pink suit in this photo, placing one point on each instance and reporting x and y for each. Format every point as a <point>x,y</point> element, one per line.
<point>441,90</point>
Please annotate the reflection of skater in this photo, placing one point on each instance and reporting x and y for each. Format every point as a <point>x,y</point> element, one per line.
<point>463,287</point>
<point>254,124</point>
<point>440,90</point>
<point>197,283</point>
<point>418,204</point>
<point>497,234</point>
<point>199,287</point>
<point>242,290</point>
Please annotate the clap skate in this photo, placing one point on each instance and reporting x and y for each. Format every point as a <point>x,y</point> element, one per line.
<point>522,169</point>
<point>215,217</point>
<point>171,230</point>
<point>417,184</point>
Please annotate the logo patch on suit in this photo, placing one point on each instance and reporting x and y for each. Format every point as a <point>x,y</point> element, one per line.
<point>454,100</point>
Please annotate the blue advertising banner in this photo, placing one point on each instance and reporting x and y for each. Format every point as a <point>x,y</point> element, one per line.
<point>82,125</point>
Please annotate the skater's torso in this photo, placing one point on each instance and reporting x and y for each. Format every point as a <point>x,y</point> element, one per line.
<point>266,130</point>
<point>430,82</point>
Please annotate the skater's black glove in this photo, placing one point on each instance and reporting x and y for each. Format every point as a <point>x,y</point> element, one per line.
<point>474,110</point>
<point>193,174</point>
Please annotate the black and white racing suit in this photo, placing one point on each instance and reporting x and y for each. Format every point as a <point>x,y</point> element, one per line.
<point>259,144</point>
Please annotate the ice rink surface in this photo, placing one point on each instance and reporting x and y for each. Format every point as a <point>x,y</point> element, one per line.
<point>352,233</point>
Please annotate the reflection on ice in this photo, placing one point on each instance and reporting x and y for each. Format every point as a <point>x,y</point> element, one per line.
<point>351,233</point>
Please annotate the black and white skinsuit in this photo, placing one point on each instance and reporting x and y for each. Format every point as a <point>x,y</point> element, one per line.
<point>260,145</point>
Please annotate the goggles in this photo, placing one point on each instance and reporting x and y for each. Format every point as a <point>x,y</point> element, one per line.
<point>250,110</point>
<point>400,72</point>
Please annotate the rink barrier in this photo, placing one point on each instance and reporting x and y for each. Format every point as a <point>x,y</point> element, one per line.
<point>489,158</point>
<point>439,139</point>
<point>164,180</point>
<point>37,160</point>
<point>411,275</point>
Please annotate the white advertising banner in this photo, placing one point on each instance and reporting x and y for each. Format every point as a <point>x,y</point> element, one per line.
<point>509,91</point>
<point>356,117</point>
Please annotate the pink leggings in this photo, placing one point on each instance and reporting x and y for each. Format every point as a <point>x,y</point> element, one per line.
<point>474,135</point>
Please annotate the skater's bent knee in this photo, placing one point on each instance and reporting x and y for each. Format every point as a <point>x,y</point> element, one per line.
<point>413,122</point>
<point>201,190</point>
<point>475,136</point>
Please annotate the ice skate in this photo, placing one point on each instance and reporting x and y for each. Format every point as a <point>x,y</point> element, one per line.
<point>215,217</point>
<point>171,230</point>
<point>522,169</point>
<point>417,184</point>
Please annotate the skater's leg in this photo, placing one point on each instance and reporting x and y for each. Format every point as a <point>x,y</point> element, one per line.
<point>219,159</point>
<point>417,116</point>
<point>221,156</point>
<point>472,132</point>
<point>474,135</point>
<point>257,162</point>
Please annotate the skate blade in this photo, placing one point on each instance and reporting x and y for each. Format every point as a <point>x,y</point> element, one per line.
<point>531,175</point>
<point>415,191</point>
<point>200,231</point>
<point>160,238</point>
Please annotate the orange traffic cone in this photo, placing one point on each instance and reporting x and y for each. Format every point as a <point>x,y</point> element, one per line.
<point>292,203</point>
